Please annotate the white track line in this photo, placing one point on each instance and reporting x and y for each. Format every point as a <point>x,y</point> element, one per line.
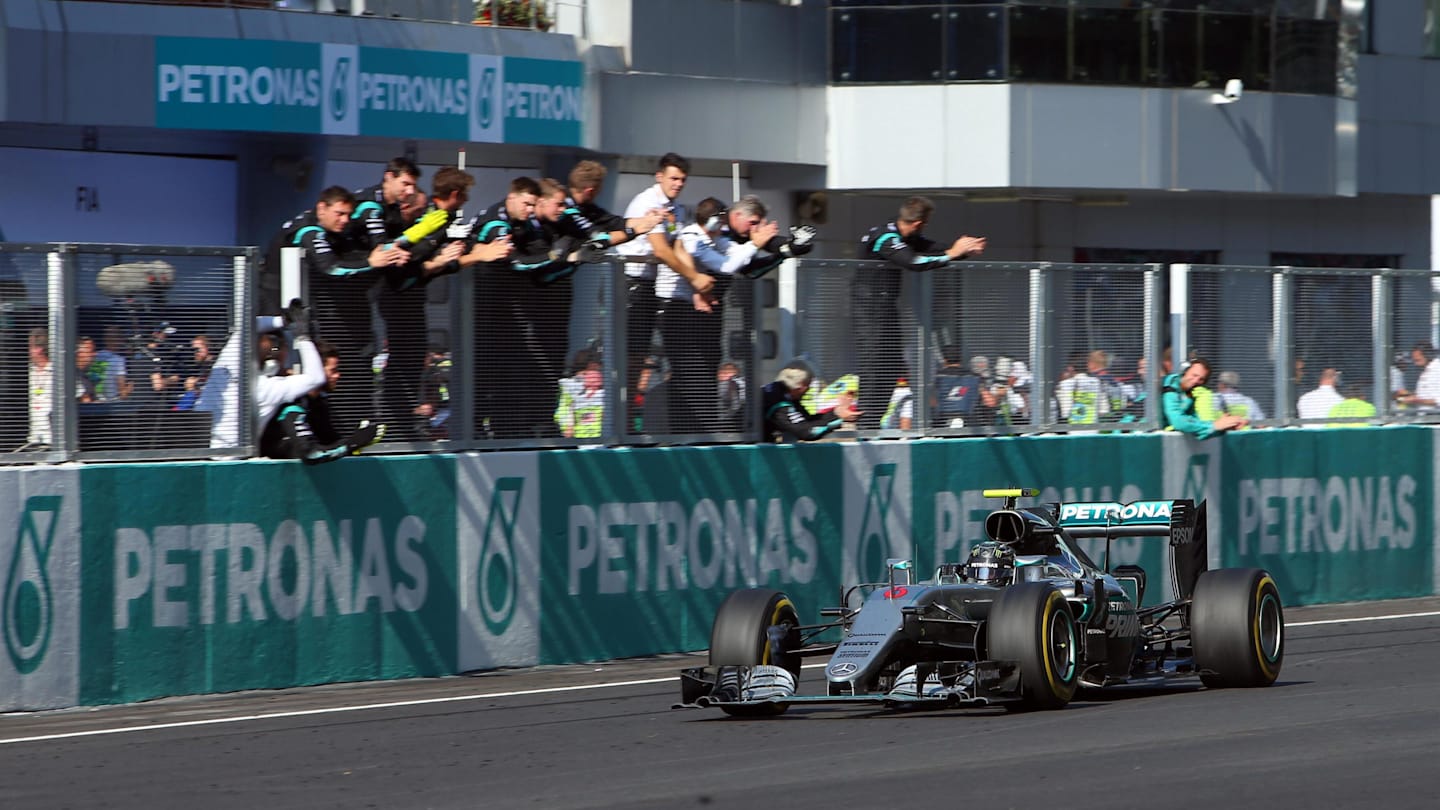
<point>400,704</point>
<point>1365,619</point>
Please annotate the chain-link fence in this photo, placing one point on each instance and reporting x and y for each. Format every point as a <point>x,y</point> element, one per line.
<point>32,428</point>
<point>119,342</point>
<point>149,352</point>
<point>1313,346</point>
<point>981,347</point>
<point>149,324</point>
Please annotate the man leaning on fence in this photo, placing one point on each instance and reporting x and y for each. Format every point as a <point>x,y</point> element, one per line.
<point>671,173</point>
<point>902,244</point>
<point>721,245</point>
<point>1177,400</point>
<point>785,418</point>
<point>340,266</point>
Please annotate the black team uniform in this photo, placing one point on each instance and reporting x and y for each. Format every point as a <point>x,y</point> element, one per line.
<point>339,277</point>
<point>874,302</point>
<point>303,430</point>
<point>400,300</point>
<point>784,417</point>
<point>522,315</point>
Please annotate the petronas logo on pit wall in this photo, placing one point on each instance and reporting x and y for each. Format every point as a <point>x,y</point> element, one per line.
<point>29,602</point>
<point>340,89</point>
<point>874,546</point>
<point>485,98</point>
<point>495,579</point>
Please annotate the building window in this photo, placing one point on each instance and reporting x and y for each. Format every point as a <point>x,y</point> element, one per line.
<point>1280,45</point>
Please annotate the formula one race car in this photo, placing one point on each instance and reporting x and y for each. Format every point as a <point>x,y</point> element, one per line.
<point>1024,622</point>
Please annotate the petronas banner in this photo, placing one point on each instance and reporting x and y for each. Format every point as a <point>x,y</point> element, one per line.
<point>639,547</point>
<point>343,89</point>
<point>215,577</point>
<point>1338,515</point>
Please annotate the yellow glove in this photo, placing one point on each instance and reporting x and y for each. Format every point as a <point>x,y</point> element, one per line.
<point>428,224</point>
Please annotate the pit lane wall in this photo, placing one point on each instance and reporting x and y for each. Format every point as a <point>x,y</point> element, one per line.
<point>128,582</point>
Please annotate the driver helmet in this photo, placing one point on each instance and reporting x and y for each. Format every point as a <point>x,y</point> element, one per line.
<point>991,563</point>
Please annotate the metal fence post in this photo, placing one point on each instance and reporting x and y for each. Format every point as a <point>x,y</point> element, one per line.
<point>788,289</point>
<point>1381,292</point>
<point>60,319</point>
<point>242,313</point>
<point>1179,314</point>
<point>1154,340</point>
<point>1283,310</point>
<point>1040,348</point>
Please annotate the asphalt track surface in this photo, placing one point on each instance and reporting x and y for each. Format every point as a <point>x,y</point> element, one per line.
<point>1353,722</point>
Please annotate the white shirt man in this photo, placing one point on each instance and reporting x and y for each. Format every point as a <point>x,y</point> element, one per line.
<point>1427,388</point>
<point>1317,404</point>
<point>269,392</point>
<point>714,253</point>
<point>669,182</point>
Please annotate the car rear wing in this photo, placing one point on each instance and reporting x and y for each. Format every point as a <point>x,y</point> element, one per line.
<point>1173,519</point>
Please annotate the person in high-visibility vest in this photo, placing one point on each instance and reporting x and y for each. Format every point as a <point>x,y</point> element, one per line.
<point>581,410</point>
<point>1352,407</point>
<point>1228,398</point>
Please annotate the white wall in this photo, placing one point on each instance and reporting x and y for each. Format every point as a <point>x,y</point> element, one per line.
<point>133,199</point>
<point>1066,136</point>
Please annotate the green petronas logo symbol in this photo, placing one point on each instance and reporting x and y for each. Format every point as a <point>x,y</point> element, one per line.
<point>29,605</point>
<point>496,579</point>
<point>339,88</point>
<point>485,98</point>
<point>875,524</point>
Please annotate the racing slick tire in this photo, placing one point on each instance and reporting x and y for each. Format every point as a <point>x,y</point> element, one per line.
<point>1031,624</point>
<point>1237,628</point>
<point>740,636</point>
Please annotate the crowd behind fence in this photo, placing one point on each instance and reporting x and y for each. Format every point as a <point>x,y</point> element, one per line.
<point>117,352</point>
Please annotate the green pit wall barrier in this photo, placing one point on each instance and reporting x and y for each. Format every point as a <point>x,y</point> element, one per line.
<point>128,582</point>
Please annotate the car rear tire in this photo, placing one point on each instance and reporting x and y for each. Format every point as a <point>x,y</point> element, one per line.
<point>1030,624</point>
<point>1237,627</point>
<point>740,636</point>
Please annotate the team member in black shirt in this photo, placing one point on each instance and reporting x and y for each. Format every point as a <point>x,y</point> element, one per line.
<point>903,245</point>
<point>783,416</point>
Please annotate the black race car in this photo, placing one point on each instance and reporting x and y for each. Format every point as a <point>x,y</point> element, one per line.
<point>1024,622</point>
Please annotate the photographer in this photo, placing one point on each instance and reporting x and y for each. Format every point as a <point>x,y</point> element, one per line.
<point>302,429</point>
<point>152,362</point>
<point>271,389</point>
